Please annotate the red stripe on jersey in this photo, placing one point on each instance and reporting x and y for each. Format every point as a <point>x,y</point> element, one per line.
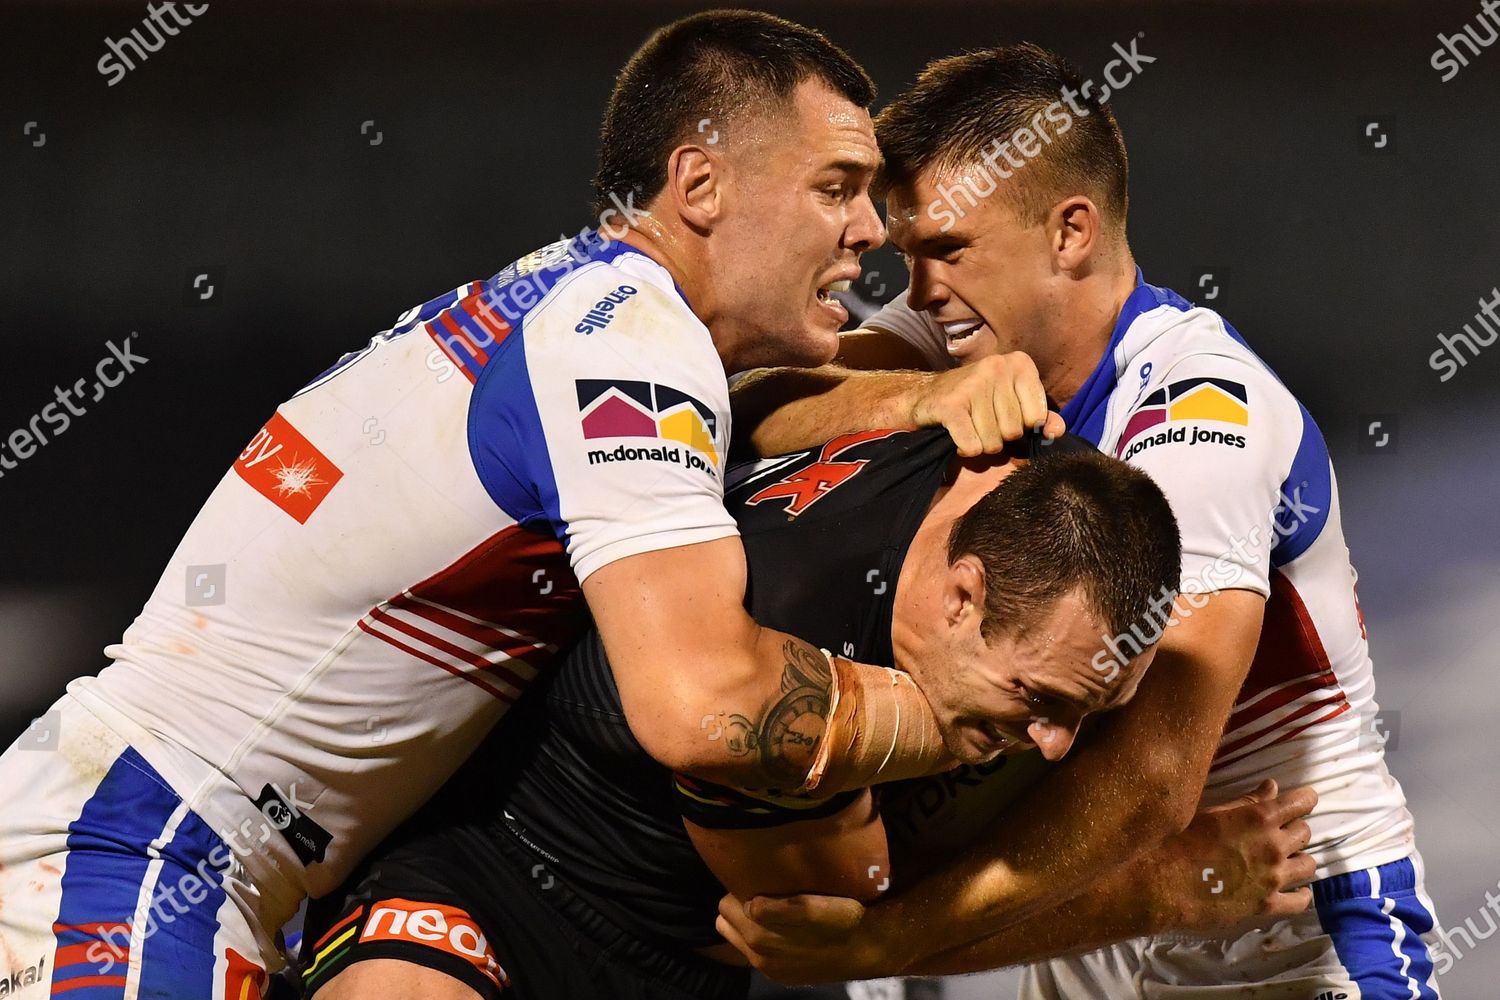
<point>1290,663</point>
<point>444,646</point>
<point>448,351</point>
<point>517,647</point>
<point>1343,706</point>
<point>1244,741</point>
<point>483,312</point>
<point>517,577</point>
<point>91,952</point>
<point>1289,648</point>
<point>1268,702</point>
<point>462,336</point>
<point>478,682</point>
<point>82,982</point>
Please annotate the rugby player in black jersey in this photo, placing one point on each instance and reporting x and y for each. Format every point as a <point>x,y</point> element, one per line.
<point>564,862</point>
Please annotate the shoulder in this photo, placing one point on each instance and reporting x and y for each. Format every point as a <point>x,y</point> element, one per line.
<point>1193,366</point>
<point>619,296</point>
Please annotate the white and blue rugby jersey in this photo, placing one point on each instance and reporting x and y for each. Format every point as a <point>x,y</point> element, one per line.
<point>397,552</point>
<point>1181,395</point>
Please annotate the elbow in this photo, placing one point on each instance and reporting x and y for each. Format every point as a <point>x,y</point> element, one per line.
<point>677,743</point>
<point>1167,806</point>
<point>709,747</point>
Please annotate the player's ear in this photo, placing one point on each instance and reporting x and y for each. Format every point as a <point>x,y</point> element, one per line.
<point>963,591</point>
<point>1076,231</point>
<point>695,183</point>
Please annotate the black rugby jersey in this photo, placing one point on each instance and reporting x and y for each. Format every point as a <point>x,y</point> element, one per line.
<point>825,533</point>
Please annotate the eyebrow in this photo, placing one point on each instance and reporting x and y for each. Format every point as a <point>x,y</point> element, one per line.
<point>1095,703</point>
<point>850,165</point>
<point>922,242</point>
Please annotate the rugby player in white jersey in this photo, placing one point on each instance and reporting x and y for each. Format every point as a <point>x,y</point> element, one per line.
<point>1007,195</point>
<point>352,610</point>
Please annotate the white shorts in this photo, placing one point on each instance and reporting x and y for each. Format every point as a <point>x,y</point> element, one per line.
<point>112,888</point>
<point>1370,935</point>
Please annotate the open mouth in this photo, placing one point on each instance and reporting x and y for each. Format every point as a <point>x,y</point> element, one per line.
<point>987,741</point>
<point>825,296</point>
<point>961,333</point>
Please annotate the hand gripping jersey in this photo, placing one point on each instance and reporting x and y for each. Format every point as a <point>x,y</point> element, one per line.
<point>1181,395</point>
<point>394,556</point>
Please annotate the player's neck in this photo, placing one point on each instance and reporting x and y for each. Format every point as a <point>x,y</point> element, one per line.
<point>654,240</point>
<point>1086,322</point>
<point>674,253</point>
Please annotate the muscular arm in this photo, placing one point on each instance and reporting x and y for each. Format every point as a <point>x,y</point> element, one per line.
<point>1119,907</point>
<point>775,409</point>
<point>844,854</point>
<point>872,349</point>
<point>705,689</point>
<point>1137,782</point>
<point>982,405</point>
<point>1235,861</point>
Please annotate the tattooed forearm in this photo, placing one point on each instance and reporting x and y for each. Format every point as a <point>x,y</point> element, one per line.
<point>785,734</point>
<point>789,728</point>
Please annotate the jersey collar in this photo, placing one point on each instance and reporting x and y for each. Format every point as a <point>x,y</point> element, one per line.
<point>594,245</point>
<point>1086,411</point>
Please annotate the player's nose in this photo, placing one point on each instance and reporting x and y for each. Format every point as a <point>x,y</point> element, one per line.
<point>924,293</point>
<point>1053,739</point>
<point>865,230</point>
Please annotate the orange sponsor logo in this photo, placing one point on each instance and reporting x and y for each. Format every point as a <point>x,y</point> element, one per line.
<point>284,467</point>
<point>434,925</point>
<point>243,979</point>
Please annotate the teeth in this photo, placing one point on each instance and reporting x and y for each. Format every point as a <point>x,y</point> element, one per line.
<point>839,286</point>
<point>961,328</point>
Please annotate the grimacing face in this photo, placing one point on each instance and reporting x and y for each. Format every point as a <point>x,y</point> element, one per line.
<point>798,218</point>
<point>988,278</point>
<point>1033,689</point>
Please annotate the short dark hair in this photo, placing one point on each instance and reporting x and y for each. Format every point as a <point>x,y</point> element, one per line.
<point>1067,521</point>
<point>717,65</point>
<point>963,105</point>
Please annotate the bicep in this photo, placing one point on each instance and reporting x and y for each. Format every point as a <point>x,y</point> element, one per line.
<point>677,634</point>
<point>1191,685</point>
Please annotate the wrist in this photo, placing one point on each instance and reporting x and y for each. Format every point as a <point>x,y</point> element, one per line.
<point>900,399</point>
<point>1156,879</point>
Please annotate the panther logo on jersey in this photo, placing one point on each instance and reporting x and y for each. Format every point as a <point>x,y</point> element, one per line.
<point>812,483</point>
